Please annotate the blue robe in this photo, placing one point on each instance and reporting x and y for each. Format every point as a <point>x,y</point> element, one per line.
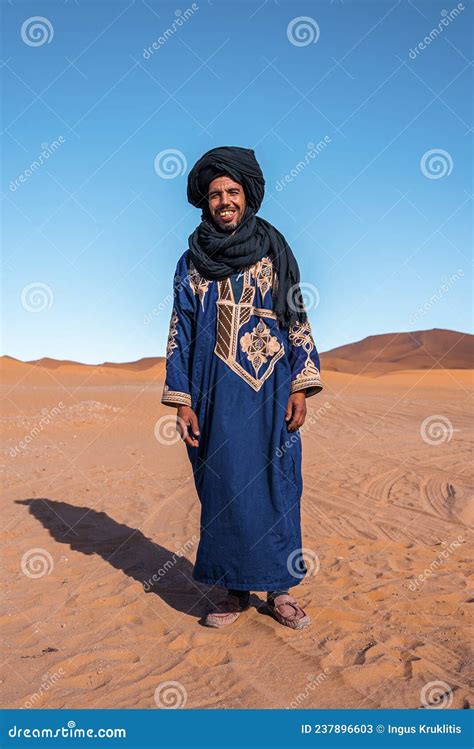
<point>229,360</point>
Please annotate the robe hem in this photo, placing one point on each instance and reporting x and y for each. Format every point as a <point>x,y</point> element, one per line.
<point>288,583</point>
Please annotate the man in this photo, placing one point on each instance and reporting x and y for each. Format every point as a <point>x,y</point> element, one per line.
<point>241,362</point>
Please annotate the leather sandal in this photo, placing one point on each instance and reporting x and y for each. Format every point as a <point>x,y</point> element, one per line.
<point>288,612</point>
<point>226,612</point>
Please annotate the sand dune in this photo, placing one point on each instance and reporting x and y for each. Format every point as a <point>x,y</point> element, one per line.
<point>97,503</point>
<point>373,356</point>
<point>423,349</point>
<point>138,365</point>
<point>17,373</point>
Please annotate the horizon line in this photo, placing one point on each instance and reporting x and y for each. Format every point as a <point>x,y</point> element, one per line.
<point>163,356</point>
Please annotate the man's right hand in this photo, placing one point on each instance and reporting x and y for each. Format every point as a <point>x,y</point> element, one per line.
<point>187,421</point>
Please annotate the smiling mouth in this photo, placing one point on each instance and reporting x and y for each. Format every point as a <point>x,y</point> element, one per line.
<point>227,214</point>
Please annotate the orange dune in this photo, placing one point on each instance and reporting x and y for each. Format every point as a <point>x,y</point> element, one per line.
<point>424,349</point>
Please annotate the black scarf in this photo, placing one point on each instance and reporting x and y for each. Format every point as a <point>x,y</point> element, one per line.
<point>217,254</point>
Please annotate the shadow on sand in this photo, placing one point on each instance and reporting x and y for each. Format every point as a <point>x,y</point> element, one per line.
<point>159,570</point>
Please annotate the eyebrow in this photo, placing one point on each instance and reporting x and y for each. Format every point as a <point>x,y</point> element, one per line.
<point>229,189</point>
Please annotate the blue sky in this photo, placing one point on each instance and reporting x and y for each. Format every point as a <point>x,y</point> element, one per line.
<point>380,225</point>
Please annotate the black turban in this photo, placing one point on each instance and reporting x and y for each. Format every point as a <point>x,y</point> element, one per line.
<point>238,163</point>
<point>217,254</point>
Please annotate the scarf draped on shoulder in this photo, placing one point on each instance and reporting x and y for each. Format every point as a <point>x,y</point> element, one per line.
<point>217,254</point>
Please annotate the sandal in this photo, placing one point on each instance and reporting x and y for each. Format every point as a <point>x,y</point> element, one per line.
<point>288,612</point>
<point>227,611</point>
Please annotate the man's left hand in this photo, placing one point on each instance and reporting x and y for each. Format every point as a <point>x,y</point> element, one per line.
<point>296,411</point>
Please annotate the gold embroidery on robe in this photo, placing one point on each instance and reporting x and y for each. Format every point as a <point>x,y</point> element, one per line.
<point>231,316</point>
<point>175,397</point>
<point>300,335</point>
<point>259,345</point>
<point>262,271</point>
<point>198,284</point>
<point>173,332</point>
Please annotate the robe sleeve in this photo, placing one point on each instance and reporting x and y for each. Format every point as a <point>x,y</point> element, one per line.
<point>304,360</point>
<point>177,386</point>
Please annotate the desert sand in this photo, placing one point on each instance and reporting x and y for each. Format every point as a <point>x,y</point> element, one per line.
<point>98,497</point>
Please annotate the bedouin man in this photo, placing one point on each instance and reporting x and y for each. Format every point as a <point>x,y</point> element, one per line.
<point>240,363</point>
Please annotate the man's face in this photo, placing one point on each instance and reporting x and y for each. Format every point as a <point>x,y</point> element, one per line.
<point>226,202</point>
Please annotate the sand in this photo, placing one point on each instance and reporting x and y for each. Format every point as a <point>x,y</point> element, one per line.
<point>94,504</point>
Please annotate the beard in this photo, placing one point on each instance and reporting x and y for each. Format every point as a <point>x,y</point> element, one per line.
<point>227,228</point>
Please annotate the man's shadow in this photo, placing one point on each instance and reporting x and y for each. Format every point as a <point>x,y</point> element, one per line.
<point>159,570</point>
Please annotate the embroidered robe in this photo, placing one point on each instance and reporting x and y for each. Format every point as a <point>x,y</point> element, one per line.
<point>228,359</point>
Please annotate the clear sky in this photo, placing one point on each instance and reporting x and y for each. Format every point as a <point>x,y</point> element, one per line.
<point>379,216</point>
